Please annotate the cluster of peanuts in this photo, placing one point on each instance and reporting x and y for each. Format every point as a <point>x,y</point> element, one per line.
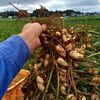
<point>62,53</point>
<point>63,78</point>
<point>69,41</point>
<point>65,49</point>
<point>95,80</point>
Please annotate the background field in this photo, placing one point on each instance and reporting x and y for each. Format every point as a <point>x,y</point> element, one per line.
<point>9,27</point>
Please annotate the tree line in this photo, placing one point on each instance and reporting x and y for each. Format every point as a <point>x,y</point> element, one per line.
<point>45,12</point>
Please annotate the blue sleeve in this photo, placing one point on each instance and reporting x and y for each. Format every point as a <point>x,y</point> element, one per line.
<point>13,54</point>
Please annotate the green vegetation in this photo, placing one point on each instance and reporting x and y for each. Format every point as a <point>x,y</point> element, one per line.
<point>9,27</point>
<point>93,22</point>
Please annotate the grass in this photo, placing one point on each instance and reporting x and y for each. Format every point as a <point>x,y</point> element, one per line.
<point>9,27</point>
<point>93,22</point>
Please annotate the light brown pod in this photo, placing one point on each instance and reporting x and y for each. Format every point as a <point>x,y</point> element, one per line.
<point>41,87</point>
<point>51,97</point>
<point>63,79</point>
<point>72,30</point>
<point>95,97</point>
<point>30,66</point>
<point>81,50</point>
<point>89,45</point>
<point>62,75</point>
<point>38,56</point>
<point>64,31</point>
<point>46,42</point>
<point>88,39</point>
<point>39,80</point>
<point>64,38</point>
<point>63,70</point>
<point>60,50</point>
<point>83,47</point>
<point>62,62</point>
<point>65,84</point>
<point>63,90</point>
<point>61,17</point>
<point>81,97</point>
<point>37,66</point>
<point>77,56</point>
<point>58,33</point>
<point>68,36</point>
<point>93,71</point>
<point>70,47</point>
<point>47,56</point>
<point>75,64</point>
<point>71,97</point>
<point>95,80</point>
<point>46,62</point>
<point>31,94</point>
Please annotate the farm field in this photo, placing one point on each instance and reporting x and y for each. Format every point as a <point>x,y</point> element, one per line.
<point>92,21</point>
<point>9,27</point>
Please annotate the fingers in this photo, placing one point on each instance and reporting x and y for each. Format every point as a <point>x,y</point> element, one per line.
<point>35,28</point>
<point>44,26</point>
<point>35,44</point>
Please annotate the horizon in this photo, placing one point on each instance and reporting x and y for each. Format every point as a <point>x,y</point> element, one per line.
<point>49,10</point>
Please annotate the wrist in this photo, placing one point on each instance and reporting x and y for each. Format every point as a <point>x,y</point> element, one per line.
<point>30,41</point>
<point>26,40</point>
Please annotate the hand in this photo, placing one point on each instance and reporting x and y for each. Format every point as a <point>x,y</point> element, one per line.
<point>30,34</point>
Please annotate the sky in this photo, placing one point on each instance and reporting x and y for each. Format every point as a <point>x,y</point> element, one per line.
<point>30,5</point>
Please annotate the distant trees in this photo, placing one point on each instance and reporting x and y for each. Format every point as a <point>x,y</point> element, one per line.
<point>43,12</point>
<point>68,12</point>
<point>8,13</point>
<point>4,14</point>
<point>12,13</point>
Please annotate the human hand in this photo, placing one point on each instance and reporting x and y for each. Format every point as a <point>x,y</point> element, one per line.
<point>30,34</point>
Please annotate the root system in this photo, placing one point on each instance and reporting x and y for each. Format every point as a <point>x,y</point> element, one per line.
<point>64,68</point>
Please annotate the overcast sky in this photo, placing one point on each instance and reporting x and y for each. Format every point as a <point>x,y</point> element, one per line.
<point>30,5</point>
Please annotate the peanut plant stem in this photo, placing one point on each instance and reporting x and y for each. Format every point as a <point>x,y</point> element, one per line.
<point>98,53</point>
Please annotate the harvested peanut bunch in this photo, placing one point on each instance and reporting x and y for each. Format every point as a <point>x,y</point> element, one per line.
<point>65,67</point>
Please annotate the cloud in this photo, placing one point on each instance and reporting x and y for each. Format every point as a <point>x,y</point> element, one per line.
<point>79,5</point>
<point>55,5</point>
<point>82,2</point>
<point>85,5</point>
<point>21,2</point>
